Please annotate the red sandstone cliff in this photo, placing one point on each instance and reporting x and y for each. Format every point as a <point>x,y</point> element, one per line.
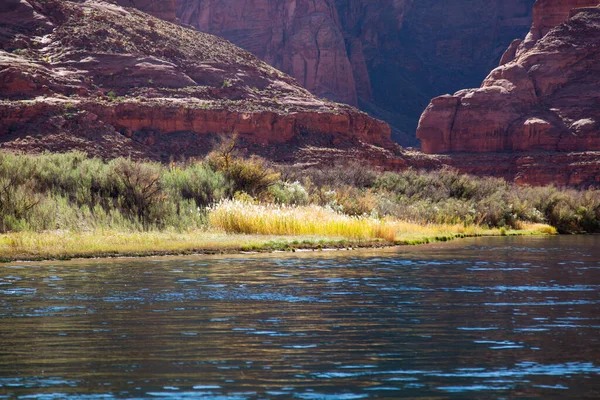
<point>300,37</point>
<point>392,56</point>
<point>114,81</point>
<point>547,15</point>
<point>543,98</point>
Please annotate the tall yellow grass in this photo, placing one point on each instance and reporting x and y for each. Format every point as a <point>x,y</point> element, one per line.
<point>243,217</point>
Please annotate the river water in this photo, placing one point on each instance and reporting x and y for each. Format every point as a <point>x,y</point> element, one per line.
<point>473,318</point>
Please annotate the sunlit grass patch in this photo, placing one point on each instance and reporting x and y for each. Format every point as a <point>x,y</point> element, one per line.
<point>108,243</point>
<point>542,229</point>
<point>243,217</point>
<point>310,234</point>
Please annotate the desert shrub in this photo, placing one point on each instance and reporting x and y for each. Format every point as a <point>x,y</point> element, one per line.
<point>338,175</point>
<point>140,190</point>
<point>289,193</point>
<point>356,202</point>
<point>438,185</point>
<point>588,211</point>
<point>18,195</point>
<point>325,197</point>
<point>252,175</point>
<point>407,185</point>
<point>74,175</point>
<point>16,204</point>
<point>196,182</point>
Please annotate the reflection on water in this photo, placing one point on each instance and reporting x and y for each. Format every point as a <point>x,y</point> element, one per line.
<point>477,318</point>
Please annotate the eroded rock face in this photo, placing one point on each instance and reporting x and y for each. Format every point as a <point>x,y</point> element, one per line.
<point>300,37</point>
<point>115,81</point>
<point>547,14</point>
<point>392,56</point>
<point>546,99</point>
<point>164,9</point>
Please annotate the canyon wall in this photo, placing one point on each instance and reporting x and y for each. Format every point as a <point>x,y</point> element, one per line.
<point>543,98</point>
<point>300,37</point>
<point>115,81</point>
<point>390,57</point>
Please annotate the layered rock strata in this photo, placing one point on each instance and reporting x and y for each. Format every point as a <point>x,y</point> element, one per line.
<point>302,38</point>
<point>390,56</point>
<point>114,81</point>
<point>543,98</point>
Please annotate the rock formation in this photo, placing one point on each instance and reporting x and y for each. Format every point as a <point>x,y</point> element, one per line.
<point>164,9</point>
<point>547,15</point>
<point>300,37</point>
<point>543,98</point>
<point>112,81</point>
<point>391,56</point>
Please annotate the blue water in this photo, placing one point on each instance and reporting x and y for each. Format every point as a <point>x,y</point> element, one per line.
<point>470,319</point>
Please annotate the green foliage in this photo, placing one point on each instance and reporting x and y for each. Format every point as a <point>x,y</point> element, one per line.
<point>446,196</point>
<point>73,192</point>
<point>350,174</point>
<point>251,175</point>
<point>17,194</point>
<point>196,182</point>
<point>289,193</point>
<point>139,189</point>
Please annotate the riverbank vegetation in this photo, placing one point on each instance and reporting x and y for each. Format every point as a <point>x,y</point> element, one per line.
<point>60,195</point>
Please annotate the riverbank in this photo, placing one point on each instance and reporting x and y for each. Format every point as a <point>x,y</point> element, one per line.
<point>61,206</point>
<point>63,245</point>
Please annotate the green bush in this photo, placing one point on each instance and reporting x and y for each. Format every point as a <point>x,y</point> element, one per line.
<point>195,182</point>
<point>289,193</point>
<point>252,175</point>
<point>73,192</point>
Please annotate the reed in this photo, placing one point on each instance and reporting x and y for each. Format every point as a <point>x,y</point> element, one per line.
<point>233,216</point>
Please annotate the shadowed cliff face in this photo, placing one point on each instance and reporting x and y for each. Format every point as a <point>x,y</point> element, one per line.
<point>300,37</point>
<point>544,97</point>
<point>390,56</point>
<point>441,47</point>
<point>94,76</point>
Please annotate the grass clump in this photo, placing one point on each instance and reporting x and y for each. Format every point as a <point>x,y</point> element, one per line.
<point>233,216</point>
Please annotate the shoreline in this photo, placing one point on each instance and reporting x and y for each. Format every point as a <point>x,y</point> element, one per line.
<point>63,246</point>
